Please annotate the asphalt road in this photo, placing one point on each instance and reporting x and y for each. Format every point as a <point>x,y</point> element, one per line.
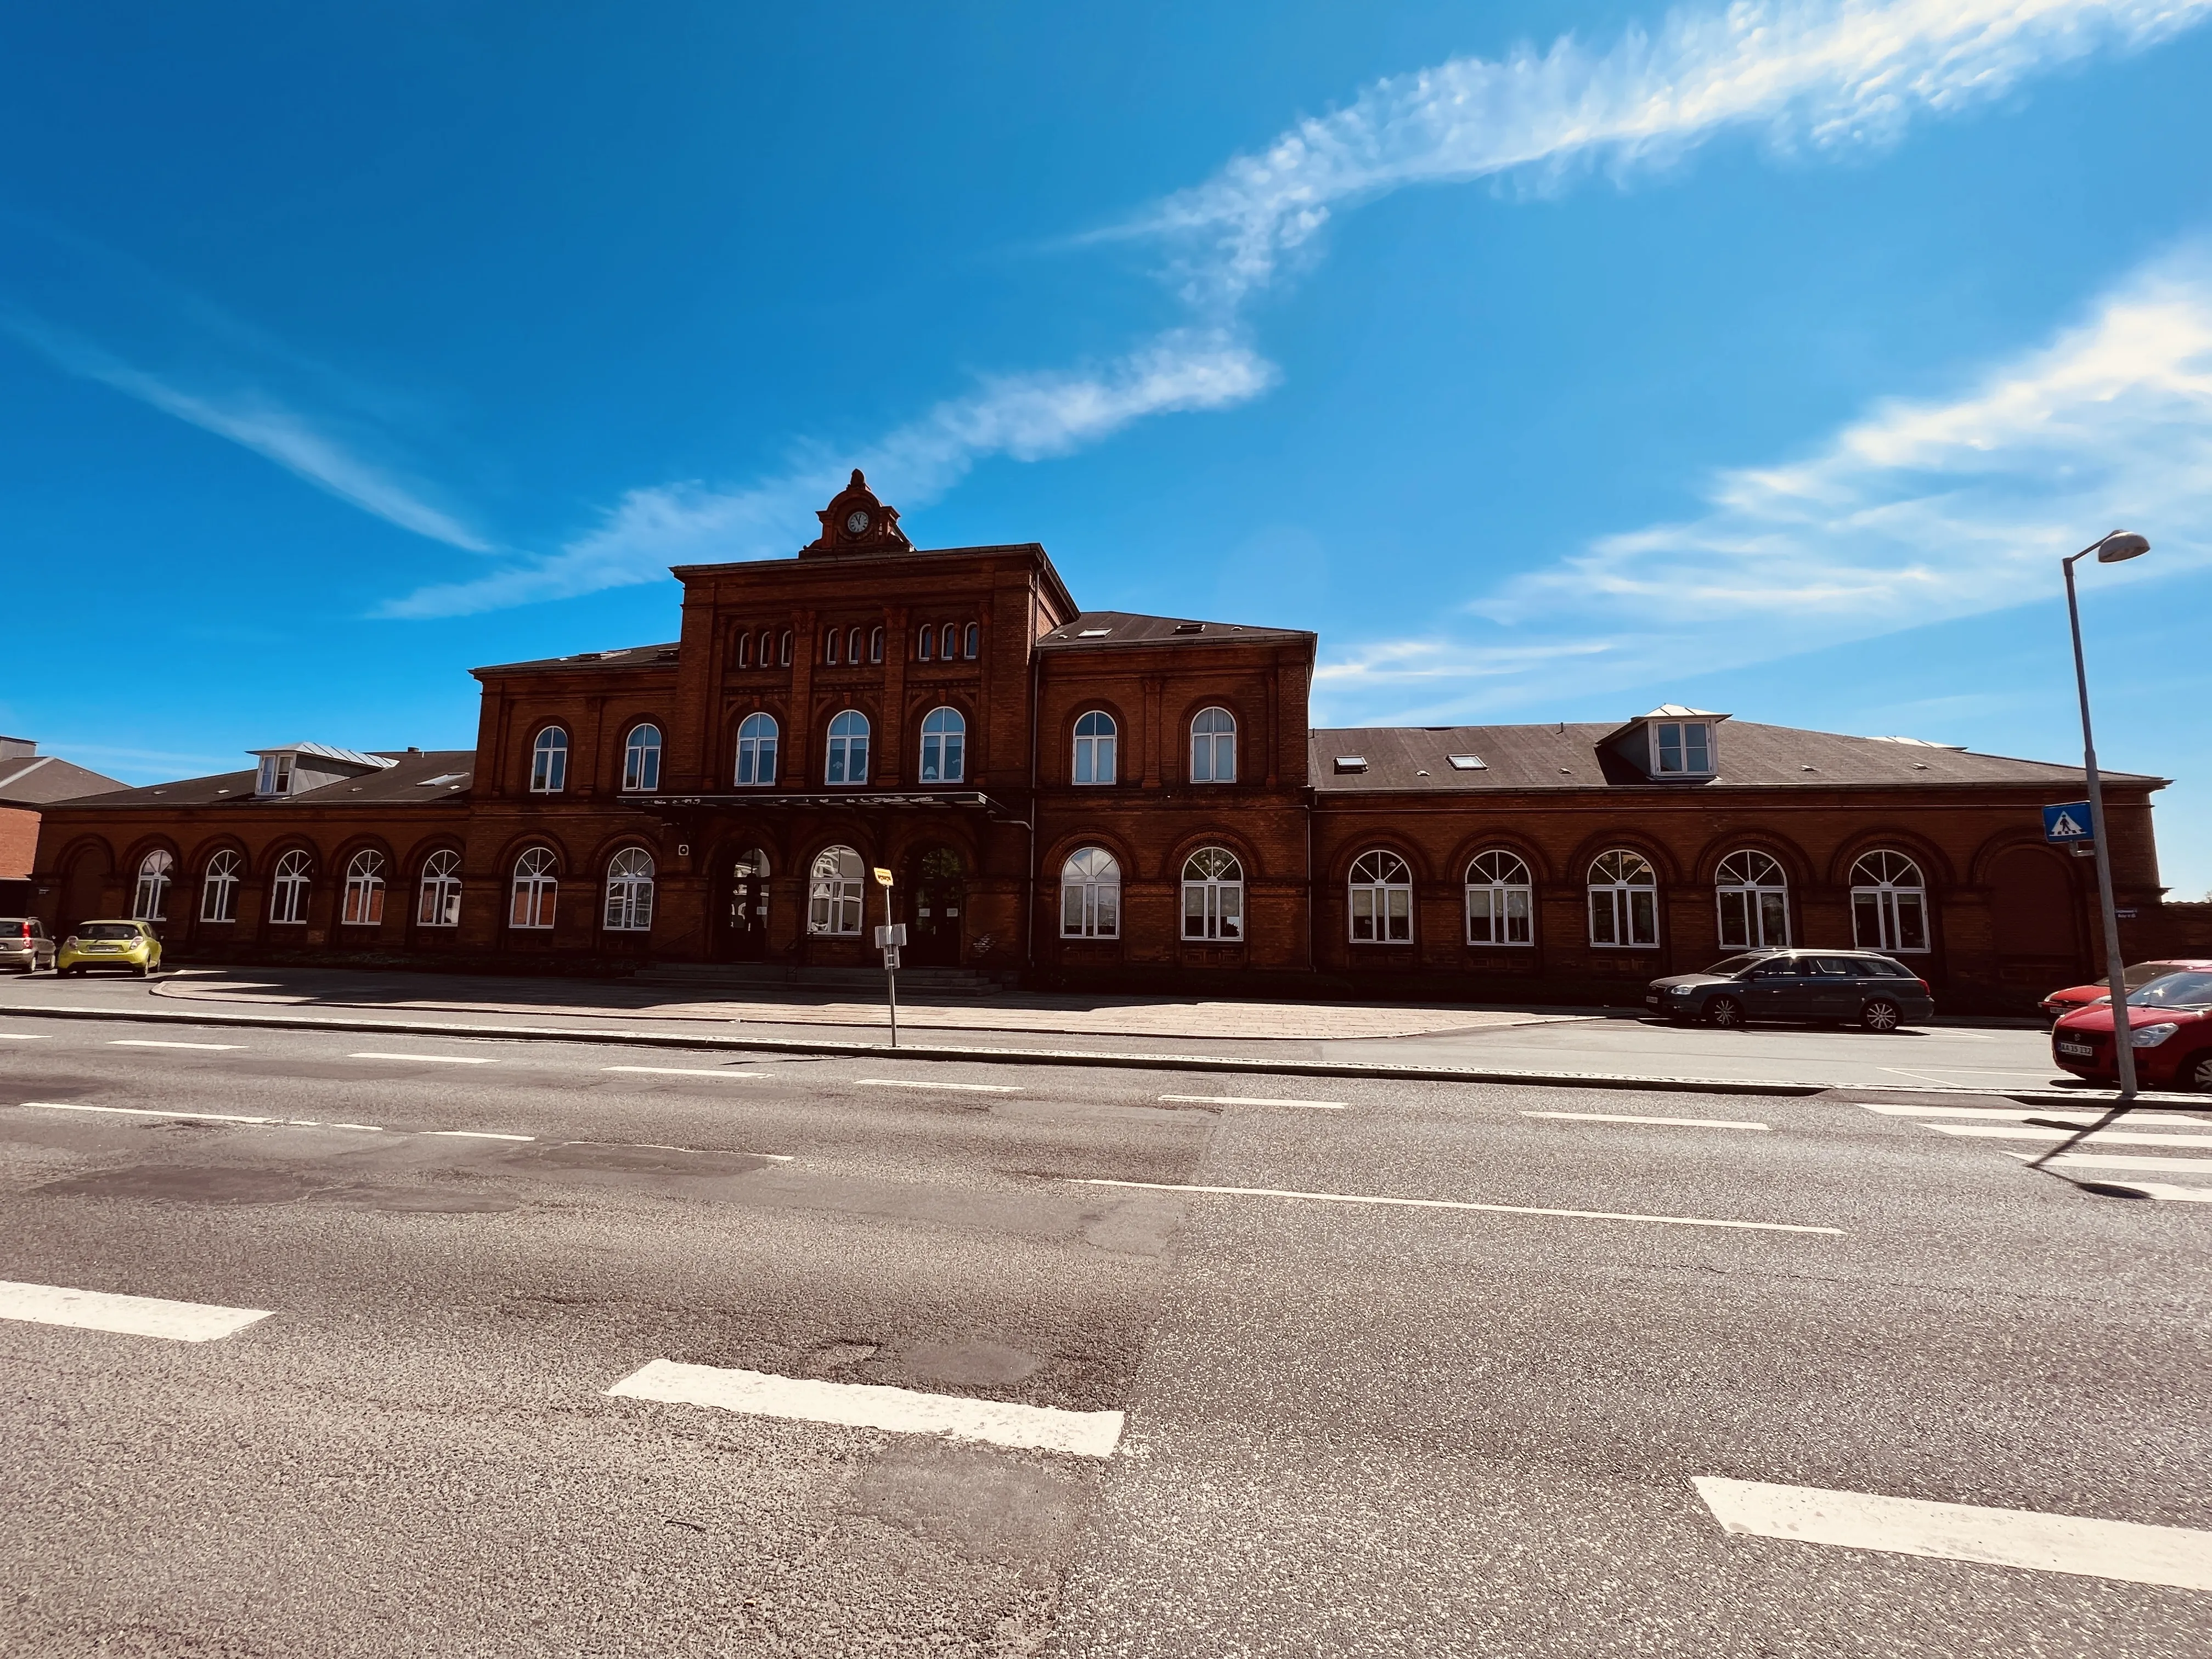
<point>1349,1427</point>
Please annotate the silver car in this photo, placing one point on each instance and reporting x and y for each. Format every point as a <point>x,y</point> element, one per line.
<point>24,943</point>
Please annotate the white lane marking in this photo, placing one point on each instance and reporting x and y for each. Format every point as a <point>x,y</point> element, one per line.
<point>156,1043</point>
<point>2034,1076</point>
<point>474,1134</point>
<point>196,1117</point>
<point>2102,1137</point>
<point>131,1316</point>
<point>26,1036</point>
<point>868,1406</point>
<point>441,1059</point>
<point>906,1082</point>
<point>2117,1161</point>
<point>2125,1550</point>
<point>2163,1190</point>
<point>1677,1122</point>
<point>2022,1114</point>
<point>1453,1204</point>
<point>1253,1100</point>
<point>685,1071</point>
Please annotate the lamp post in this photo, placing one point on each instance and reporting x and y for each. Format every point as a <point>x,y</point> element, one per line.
<point>2120,544</point>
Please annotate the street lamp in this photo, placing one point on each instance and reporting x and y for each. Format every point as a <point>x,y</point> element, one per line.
<point>2119,545</point>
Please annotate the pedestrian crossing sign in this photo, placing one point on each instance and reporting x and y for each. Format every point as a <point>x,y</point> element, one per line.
<point>2069,822</point>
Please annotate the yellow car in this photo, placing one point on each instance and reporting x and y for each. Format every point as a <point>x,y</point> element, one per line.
<point>126,945</point>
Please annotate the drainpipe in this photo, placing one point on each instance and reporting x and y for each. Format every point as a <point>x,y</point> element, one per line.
<point>1312,966</point>
<point>1029,888</point>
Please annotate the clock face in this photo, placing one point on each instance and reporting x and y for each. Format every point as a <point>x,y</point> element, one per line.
<point>856,522</point>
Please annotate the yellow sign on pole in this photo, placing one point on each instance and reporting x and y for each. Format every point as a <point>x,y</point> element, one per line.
<point>883,877</point>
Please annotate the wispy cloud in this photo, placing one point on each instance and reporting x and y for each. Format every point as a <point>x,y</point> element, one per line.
<point>257,421</point>
<point>1026,417</point>
<point>1921,512</point>
<point>1816,75</point>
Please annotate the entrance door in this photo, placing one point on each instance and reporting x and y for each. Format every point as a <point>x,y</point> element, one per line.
<point>745,911</point>
<point>940,887</point>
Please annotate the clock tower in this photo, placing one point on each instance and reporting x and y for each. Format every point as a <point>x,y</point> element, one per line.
<point>857,523</point>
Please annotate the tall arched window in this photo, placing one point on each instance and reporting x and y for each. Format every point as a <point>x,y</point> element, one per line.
<point>630,891</point>
<point>848,748</point>
<point>971,640</point>
<point>1213,747</point>
<point>1500,907</point>
<point>835,889</point>
<point>1889,903</point>
<point>1381,894</point>
<point>829,644</point>
<point>364,890</point>
<point>1624,900</point>
<point>1090,895</point>
<point>1212,894</point>
<point>548,761</point>
<point>219,887</point>
<point>1753,894</point>
<point>755,751</point>
<point>439,904</point>
<point>641,759</point>
<point>767,648</point>
<point>853,648</point>
<point>783,651</point>
<point>536,888</point>
<point>744,650</point>
<point>1095,736</point>
<point>288,889</point>
<point>150,900</point>
<point>875,645</point>
<point>944,746</point>
<point>927,642</point>
<point>949,645</point>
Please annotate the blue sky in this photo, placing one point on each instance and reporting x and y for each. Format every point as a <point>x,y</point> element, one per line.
<point>1550,361</point>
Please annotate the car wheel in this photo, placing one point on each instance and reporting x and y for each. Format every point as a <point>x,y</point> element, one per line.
<point>1726,1012</point>
<point>145,970</point>
<point>1881,1015</point>
<point>2197,1074</point>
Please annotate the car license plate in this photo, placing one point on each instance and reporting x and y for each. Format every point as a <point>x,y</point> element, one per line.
<point>1654,1001</point>
<point>2081,1050</point>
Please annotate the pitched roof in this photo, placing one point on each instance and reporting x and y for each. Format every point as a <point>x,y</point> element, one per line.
<point>627,656</point>
<point>34,780</point>
<point>1110,628</point>
<point>1406,758</point>
<point>325,751</point>
<point>415,778</point>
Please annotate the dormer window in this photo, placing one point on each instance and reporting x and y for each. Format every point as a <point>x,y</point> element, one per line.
<point>1681,749</point>
<point>276,777</point>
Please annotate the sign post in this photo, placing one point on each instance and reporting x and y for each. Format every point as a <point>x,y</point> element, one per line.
<point>889,937</point>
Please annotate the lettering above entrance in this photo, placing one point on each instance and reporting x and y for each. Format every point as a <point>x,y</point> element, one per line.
<point>856,523</point>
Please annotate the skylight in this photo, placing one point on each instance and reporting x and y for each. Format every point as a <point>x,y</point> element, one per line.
<point>1466,763</point>
<point>1094,633</point>
<point>442,777</point>
<point>1352,763</point>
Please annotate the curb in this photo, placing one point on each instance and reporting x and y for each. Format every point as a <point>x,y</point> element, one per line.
<point>1235,1065</point>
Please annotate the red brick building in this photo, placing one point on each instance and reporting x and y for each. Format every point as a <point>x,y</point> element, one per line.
<point>1086,798</point>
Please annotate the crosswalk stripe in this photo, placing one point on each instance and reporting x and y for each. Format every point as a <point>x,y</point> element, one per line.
<point>2102,1137</point>
<point>2022,1114</point>
<point>1673,1123</point>
<point>2126,1550</point>
<point>870,1406</point>
<point>2118,1161</point>
<point>130,1315</point>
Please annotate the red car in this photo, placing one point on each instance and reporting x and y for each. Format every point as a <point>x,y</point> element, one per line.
<point>2170,1021</point>
<point>2136,976</point>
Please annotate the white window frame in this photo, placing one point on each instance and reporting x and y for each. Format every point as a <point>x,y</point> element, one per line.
<point>641,758</point>
<point>437,903</point>
<point>745,648</point>
<point>534,890</point>
<point>875,645</point>
<point>549,761</point>
<point>276,774</point>
<point>830,647</point>
<point>1501,900</point>
<point>288,888</point>
<point>837,893</point>
<point>783,650</point>
<point>1751,898</point>
<point>219,887</point>
<point>1097,743</point>
<point>1213,746</point>
<point>149,895</point>
<point>758,737</point>
<point>364,890</point>
<point>1619,879</point>
<point>944,746</point>
<point>971,641</point>
<point>1090,895</point>
<point>1684,741</point>
<point>630,891</point>
<point>1214,897</point>
<point>1379,895</point>
<point>845,762</point>
<point>926,648</point>
<point>1891,909</point>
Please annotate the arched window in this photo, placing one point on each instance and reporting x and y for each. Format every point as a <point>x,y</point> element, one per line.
<point>1753,894</point>
<point>971,640</point>
<point>853,648</point>
<point>829,643</point>
<point>783,650</point>
<point>288,890</point>
<point>1381,893</point>
<point>1213,747</point>
<point>875,645</point>
<point>641,759</point>
<point>630,891</point>
<point>1094,748</point>
<point>744,650</point>
<point>1624,900</point>
<point>536,887</point>
<point>151,898</point>
<point>1499,900</point>
<point>1889,903</point>
<point>949,646</point>
<point>926,644</point>
<point>548,761</point>
<point>440,902</point>
<point>364,890</point>
<point>1090,895</point>
<point>755,751</point>
<point>1212,894</point>
<point>834,892</point>
<point>848,748</point>
<point>944,746</point>
<point>767,648</point>
<point>219,887</point>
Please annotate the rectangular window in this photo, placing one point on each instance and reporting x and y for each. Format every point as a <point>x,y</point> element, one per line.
<point>1684,748</point>
<point>276,777</point>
